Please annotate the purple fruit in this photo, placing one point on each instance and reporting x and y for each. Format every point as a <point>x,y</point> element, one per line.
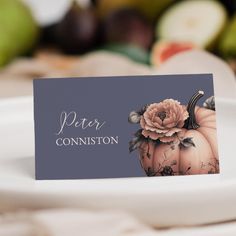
<point>78,31</point>
<point>128,26</point>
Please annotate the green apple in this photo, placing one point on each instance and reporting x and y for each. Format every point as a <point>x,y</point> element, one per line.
<point>18,30</point>
<point>5,49</point>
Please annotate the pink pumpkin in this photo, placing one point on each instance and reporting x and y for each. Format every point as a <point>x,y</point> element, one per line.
<point>195,151</point>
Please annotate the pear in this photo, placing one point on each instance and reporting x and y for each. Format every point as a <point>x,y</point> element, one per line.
<point>227,44</point>
<point>199,22</point>
<point>150,8</point>
<point>153,8</point>
<point>18,30</point>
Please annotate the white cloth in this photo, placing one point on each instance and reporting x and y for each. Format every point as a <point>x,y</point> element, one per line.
<point>87,223</point>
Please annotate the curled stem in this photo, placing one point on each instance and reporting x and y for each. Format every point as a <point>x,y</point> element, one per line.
<point>191,122</point>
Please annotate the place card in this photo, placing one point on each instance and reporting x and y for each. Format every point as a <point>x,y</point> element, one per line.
<point>130,126</point>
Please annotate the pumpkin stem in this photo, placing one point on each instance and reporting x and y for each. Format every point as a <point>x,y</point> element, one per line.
<point>191,122</point>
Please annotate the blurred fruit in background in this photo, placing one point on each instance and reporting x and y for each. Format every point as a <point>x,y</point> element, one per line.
<point>227,44</point>
<point>198,21</point>
<point>149,8</point>
<point>230,5</point>
<point>50,12</point>
<point>163,50</point>
<point>146,31</point>
<point>128,26</point>
<point>18,30</point>
<point>78,30</point>
<point>133,52</point>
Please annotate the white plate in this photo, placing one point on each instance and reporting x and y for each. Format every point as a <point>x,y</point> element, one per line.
<point>159,201</point>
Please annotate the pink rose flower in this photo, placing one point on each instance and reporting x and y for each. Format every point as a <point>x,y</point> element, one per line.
<point>163,120</point>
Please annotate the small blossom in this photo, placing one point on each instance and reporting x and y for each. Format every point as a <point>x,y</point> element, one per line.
<point>134,117</point>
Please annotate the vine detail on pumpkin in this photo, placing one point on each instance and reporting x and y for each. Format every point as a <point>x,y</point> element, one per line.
<point>213,164</point>
<point>165,164</point>
<point>165,124</point>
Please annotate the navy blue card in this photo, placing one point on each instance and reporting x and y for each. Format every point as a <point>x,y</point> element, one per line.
<point>131,126</point>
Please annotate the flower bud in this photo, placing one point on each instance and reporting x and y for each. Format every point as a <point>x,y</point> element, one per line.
<point>134,117</point>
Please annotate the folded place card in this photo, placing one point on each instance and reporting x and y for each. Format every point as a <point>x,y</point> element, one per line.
<point>131,126</point>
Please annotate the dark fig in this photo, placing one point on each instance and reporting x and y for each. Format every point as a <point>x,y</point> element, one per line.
<point>128,26</point>
<point>230,5</point>
<point>48,34</point>
<point>78,31</point>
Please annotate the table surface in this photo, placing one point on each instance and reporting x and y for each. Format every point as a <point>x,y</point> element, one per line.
<point>12,86</point>
<point>15,87</point>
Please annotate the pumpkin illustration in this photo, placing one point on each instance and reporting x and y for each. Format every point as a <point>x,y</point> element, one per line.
<point>191,150</point>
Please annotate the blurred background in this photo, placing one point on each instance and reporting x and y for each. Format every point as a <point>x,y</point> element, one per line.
<point>51,38</point>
